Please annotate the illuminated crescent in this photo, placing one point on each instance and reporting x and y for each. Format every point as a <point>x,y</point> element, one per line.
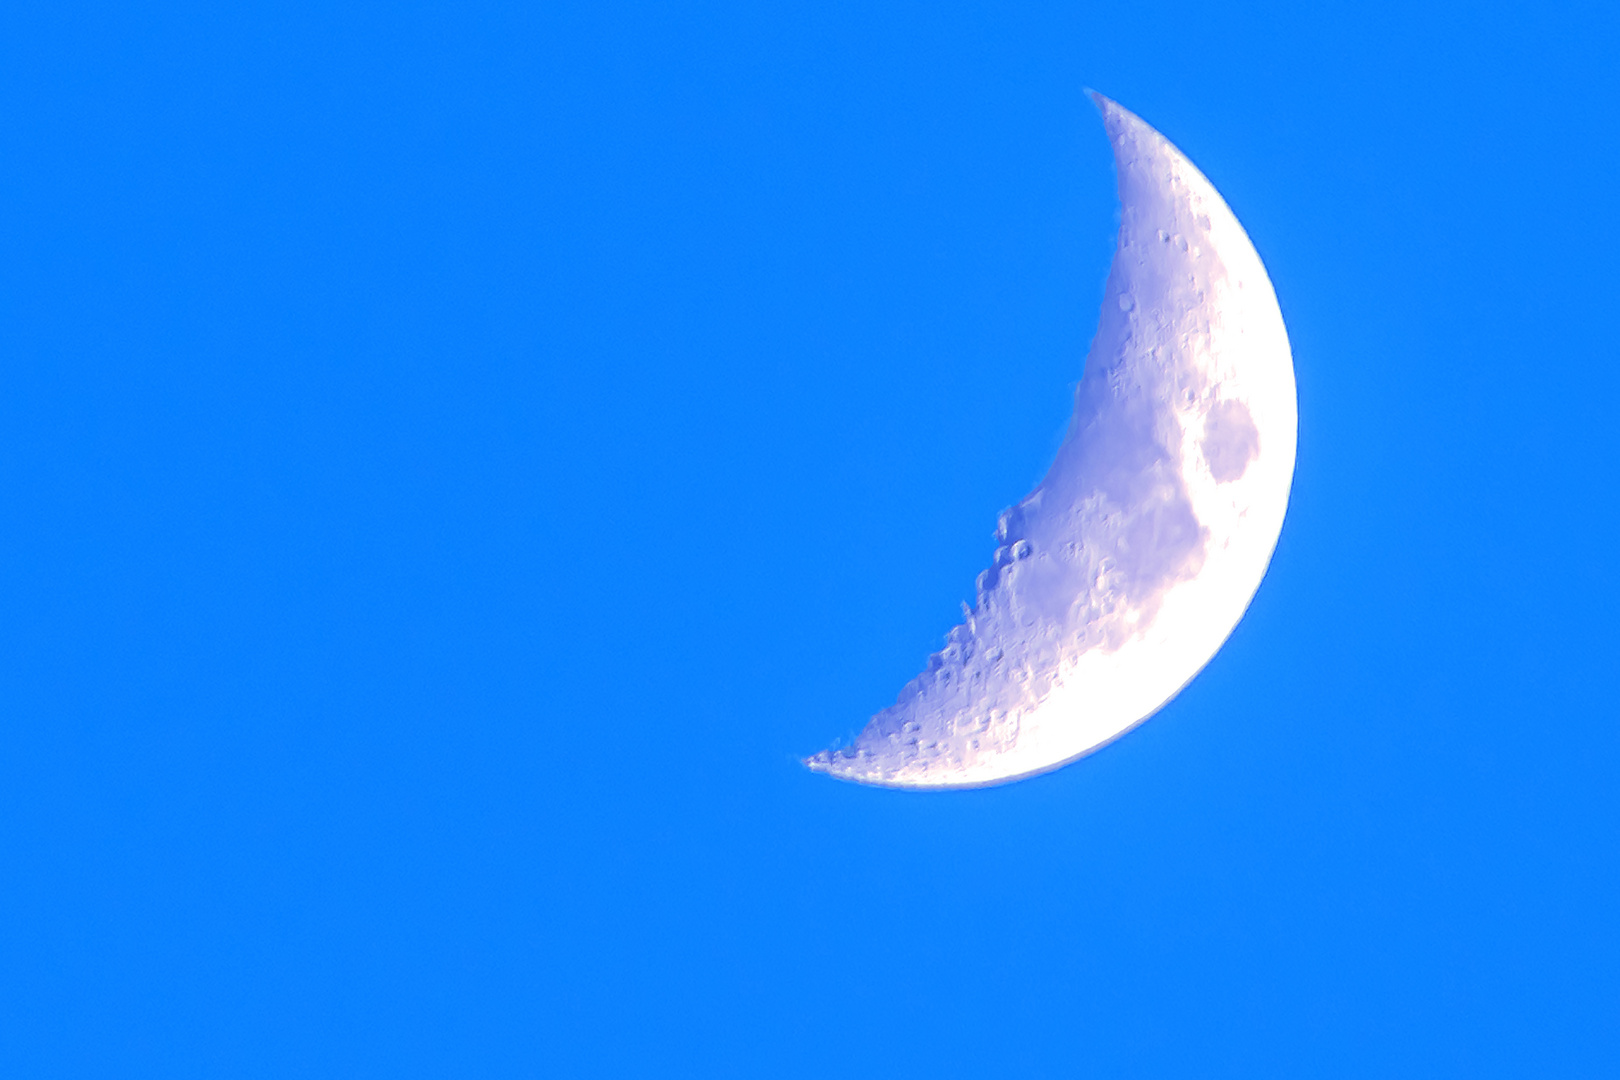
<point>1119,577</point>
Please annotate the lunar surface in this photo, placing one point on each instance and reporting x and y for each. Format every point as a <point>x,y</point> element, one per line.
<point>1118,578</point>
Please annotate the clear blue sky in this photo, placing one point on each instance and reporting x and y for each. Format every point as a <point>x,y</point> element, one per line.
<point>454,460</point>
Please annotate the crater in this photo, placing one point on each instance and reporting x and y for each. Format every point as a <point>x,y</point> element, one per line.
<point>1231,440</point>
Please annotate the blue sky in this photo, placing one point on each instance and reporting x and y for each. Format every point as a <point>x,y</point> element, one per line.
<point>454,461</point>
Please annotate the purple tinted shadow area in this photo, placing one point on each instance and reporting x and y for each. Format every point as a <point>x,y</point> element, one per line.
<point>1084,561</point>
<point>1231,440</point>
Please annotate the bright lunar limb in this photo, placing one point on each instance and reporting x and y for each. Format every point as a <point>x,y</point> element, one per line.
<point>1119,577</point>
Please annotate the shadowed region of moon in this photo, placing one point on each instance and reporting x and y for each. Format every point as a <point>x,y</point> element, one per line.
<point>1230,440</point>
<point>1121,574</point>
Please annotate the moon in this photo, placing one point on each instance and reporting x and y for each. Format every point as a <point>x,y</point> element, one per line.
<point>1121,575</point>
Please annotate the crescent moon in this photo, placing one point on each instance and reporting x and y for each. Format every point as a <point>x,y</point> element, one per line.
<point>1121,575</point>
